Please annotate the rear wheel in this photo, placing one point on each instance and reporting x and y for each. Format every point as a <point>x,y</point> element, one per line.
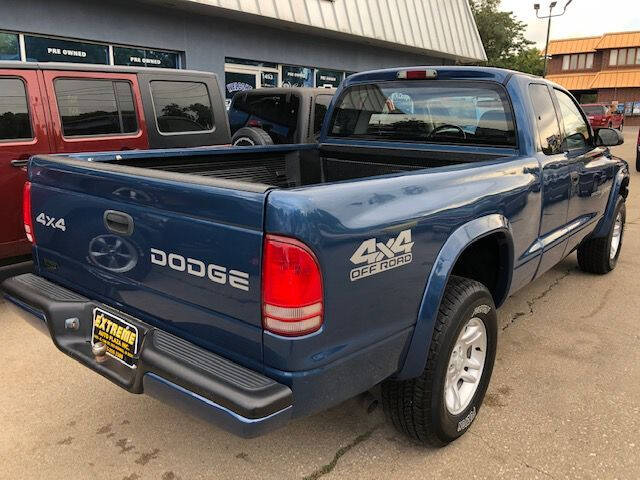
<point>600,255</point>
<point>442,403</point>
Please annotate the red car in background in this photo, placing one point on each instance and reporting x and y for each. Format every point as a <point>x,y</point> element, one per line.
<point>601,115</point>
<point>69,108</point>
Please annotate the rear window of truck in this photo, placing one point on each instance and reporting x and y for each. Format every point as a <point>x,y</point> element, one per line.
<point>14,111</point>
<point>182,107</point>
<point>454,112</point>
<point>90,107</point>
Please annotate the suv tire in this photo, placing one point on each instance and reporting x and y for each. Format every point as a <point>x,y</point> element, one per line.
<point>251,136</point>
<point>600,255</point>
<point>421,407</point>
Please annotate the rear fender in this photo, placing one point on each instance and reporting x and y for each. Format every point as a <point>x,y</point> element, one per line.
<point>459,240</point>
<point>620,184</point>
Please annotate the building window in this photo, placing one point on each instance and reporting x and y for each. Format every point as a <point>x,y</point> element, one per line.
<point>142,57</point>
<point>613,57</point>
<point>589,63</point>
<point>581,61</point>
<point>565,62</point>
<point>14,112</point>
<point>9,46</point>
<point>574,62</point>
<point>622,56</point>
<point>95,107</point>
<point>328,78</point>
<point>46,49</point>
<point>295,76</point>
<point>182,107</point>
<point>631,56</point>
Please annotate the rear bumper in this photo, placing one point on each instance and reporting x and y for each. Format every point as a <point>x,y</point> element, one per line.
<point>178,372</point>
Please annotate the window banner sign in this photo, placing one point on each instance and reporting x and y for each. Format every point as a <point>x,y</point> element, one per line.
<point>328,78</point>
<point>9,46</point>
<point>237,82</point>
<point>142,57</point>
<point>628,108</point>
<point>268,79</point>
<point>636,108</point>
<point>294,76</point>
<point>44,49</point>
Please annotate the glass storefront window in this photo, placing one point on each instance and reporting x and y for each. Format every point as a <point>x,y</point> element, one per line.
<point>142,57</point>
<point>46,49</point>
<point>268,79</point>
<point>328,78</point>
<point>9,46</point>
<point>295,76</point>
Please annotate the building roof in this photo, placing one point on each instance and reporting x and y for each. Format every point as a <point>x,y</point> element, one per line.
<point>573,45</point>
<point>591,44</point>
<point>617,79</point>
<point>574,81</point>
<point>435,27</point>
<point>604,79</point>
<point>619,40</point>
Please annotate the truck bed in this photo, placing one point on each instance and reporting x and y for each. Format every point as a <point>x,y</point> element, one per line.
<point>291,166</point>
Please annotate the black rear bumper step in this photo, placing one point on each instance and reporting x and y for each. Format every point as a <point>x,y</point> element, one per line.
<point>244,392</point>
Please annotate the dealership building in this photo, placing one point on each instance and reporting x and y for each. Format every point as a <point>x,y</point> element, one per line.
<point>602,69</point>
<point>248,43</point>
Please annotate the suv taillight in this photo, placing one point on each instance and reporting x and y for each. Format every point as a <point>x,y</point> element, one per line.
<point>26,212</point>
<point>291,287</point>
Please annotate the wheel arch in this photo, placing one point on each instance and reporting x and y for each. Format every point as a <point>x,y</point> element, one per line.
<point>491,230</point>
<point>620,187</point>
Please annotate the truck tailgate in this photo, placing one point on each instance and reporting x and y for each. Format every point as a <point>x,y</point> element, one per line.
<point>166,248</point>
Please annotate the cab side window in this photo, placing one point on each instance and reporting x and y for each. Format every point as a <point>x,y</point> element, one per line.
<point>546,119</point>
<point>575,128</point>
<point>14,111</point>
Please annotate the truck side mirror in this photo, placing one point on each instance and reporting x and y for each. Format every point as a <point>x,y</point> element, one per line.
<point>608,137</point>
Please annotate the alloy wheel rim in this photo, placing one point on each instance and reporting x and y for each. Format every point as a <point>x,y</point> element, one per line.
<point>616,237</point>
<point>465,366</point>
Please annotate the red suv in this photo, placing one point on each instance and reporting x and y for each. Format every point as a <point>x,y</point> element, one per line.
<point>59,108</point>
<point>600,116</point>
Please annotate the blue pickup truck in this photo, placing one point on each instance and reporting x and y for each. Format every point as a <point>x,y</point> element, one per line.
<point>255,285</point>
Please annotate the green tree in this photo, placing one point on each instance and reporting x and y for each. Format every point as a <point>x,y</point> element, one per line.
<point>503,38</point>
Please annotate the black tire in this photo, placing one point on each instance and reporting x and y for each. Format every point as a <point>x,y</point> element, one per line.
<point>416,407</point>
<point>251,136</point>
<point>594,254</point>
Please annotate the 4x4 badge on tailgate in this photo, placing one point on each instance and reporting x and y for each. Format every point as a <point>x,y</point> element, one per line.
<point>379,257</point>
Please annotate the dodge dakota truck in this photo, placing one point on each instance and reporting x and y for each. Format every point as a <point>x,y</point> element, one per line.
<point>255,285</point>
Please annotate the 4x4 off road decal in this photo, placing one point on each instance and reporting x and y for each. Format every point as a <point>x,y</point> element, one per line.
<point>375,257</point>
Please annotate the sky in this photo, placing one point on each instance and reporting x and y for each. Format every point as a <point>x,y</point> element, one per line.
<point>583,18</point>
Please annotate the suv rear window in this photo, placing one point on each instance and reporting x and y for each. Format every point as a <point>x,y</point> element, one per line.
<point>594,109</point>
<point>182,107</point>
<point>14,111</point>
<point>277,114</point>
<point>432,112</point>
<point>95,107</point>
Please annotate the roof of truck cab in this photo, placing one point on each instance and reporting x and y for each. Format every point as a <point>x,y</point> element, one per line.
<point>285,90</point>
<point>500,75</point>
<point>82,67</point>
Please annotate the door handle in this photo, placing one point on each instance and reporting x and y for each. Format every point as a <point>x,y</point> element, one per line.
<point>21,161</point>
<point>118,222</point>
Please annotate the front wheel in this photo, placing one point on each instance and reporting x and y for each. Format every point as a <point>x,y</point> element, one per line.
<point>600,255</point>
<point>442,403</point>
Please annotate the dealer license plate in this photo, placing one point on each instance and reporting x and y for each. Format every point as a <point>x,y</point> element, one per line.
<point>121,338</point>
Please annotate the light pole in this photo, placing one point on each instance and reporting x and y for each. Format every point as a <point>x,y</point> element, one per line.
<point>536,7</point>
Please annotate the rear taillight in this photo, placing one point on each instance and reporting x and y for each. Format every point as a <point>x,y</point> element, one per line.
<point>291,288</point>
<point>426,74</point>
<point>26,212</point>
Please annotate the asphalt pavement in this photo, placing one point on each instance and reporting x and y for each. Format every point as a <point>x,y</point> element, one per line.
<point>564,402</point>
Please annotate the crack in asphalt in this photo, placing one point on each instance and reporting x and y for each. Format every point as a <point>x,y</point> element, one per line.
<point>327,468</point>
<point>519,460</point>
<point>532,302</point>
